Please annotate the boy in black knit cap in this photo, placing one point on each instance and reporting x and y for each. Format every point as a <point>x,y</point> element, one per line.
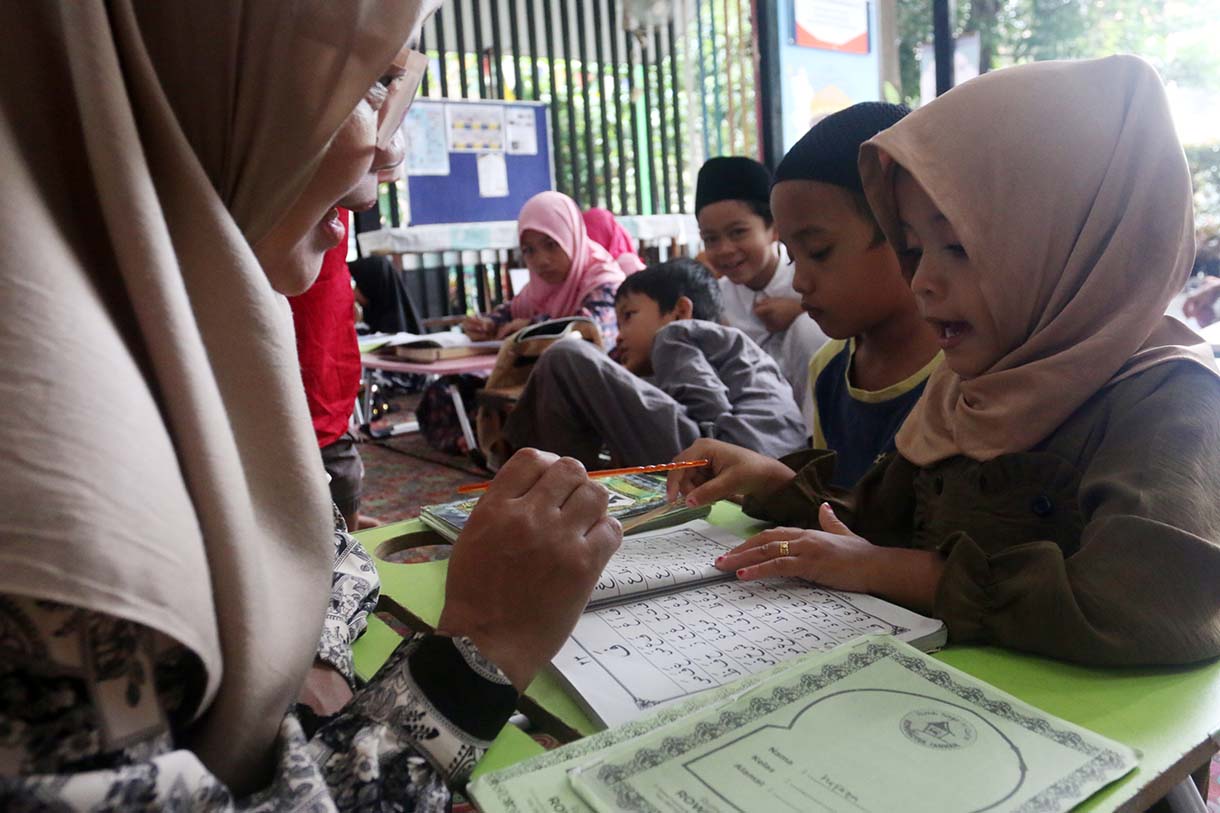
<point>867,378</point>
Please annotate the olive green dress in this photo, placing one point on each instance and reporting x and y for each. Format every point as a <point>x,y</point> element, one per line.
<point>1100,545</point>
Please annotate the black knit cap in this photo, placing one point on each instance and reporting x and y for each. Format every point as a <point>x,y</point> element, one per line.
<point>732,177</point>
<point>830,151</point>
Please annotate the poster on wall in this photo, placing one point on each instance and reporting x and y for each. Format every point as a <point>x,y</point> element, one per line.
<point>475,127</point>
<point>831,25</point>
<point>521,131</point>
<point>424,131</point>
<point>493,175</point>
<point>817,81</point>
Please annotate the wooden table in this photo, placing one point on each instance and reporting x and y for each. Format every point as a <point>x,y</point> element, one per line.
<point>1170,715</point>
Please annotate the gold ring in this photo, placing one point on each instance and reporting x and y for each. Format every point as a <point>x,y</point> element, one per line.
<point>783,548</point>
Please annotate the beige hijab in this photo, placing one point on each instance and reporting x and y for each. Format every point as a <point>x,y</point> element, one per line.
<point>1069,190</point>
<point>158,463</point>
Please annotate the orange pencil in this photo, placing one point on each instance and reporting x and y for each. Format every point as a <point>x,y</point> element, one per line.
<point>653,469</point>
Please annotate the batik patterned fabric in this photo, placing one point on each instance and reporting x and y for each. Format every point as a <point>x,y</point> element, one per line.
<point>92,709</point>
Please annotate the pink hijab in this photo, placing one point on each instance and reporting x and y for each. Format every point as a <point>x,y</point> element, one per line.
<point>603,228</point>
<point>558,217</point>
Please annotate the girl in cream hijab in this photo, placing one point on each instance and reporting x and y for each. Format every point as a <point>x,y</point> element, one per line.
<point>169,564</point>
<point>1054,490</point>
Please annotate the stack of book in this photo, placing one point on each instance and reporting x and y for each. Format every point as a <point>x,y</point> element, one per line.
<point>631,495</point>
<point>428,347</point>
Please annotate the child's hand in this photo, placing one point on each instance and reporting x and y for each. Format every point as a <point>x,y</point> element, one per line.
<point>777,314</point>
<point>833,557</point>
<point>733,471</point>
<point>479,328</point>
<point>512,327</point>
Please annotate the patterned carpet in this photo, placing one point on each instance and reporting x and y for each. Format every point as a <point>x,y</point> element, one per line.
<point>399,479</point>
<point>402,473</point>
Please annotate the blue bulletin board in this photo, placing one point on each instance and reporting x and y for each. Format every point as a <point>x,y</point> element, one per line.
<point>475,161</point>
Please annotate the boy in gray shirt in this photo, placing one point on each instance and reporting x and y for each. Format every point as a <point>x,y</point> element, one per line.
<point>682,376</point>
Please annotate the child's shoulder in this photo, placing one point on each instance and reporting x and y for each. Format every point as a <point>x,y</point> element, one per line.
<point>1170,409</point>
<point>825,356</point>
<point>711,338</point>
<point>691,329</point>
<point>1180,385</point>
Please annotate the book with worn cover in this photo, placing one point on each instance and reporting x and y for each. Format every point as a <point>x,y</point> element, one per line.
<point>631,496</point>
<point>555,328</point>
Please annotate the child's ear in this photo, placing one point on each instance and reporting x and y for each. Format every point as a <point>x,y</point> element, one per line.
<point>684,308</point>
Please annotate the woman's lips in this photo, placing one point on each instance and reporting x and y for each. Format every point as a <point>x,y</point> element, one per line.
<point>332,226</point>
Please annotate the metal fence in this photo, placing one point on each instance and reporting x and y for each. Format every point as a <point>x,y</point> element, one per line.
<point>636,105</point>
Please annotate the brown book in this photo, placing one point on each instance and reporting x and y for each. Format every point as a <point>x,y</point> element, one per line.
<point>423,353</point>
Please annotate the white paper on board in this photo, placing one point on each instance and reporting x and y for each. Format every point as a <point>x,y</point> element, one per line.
<point>521,131</point>
<point>427,147</point>
<point>493,175</point>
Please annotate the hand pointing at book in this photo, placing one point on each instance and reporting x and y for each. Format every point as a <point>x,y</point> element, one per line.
<point>523,568</point>
<point>837,558</point>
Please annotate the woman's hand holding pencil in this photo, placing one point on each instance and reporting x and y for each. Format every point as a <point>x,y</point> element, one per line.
<point>523,567</point>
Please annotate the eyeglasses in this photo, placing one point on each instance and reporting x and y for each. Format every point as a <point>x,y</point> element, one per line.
<point>400,94</point>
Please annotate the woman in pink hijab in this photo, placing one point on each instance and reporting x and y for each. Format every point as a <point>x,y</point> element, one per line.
<point>603,228</point>
<point>570,274</point>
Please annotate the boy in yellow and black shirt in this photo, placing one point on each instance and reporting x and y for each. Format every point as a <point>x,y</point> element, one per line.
<point>851,282</point>
<point>858,424</point>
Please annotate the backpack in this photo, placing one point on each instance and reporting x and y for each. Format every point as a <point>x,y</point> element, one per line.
<point>514,363</point>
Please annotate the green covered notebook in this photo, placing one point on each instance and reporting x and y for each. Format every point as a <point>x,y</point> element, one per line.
<point>872,725</point>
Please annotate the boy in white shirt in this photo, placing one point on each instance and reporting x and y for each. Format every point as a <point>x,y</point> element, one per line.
<point>732,205</point>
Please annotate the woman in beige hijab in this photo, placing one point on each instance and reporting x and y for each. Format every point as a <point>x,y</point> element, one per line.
<point>1054,490</point>
<point>167,553</point>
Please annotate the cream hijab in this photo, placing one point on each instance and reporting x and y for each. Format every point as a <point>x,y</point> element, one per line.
<point>1069,190</point>
<point>158,463</point>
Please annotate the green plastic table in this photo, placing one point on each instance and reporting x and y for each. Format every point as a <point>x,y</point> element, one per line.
<point>1170,715</point>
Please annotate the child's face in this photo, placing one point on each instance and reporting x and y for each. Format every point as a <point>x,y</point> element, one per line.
<point>945,282</point>
<point>738,243</point>
<point>544,257</point>
<point>639,319</point>
<point>847,283</point>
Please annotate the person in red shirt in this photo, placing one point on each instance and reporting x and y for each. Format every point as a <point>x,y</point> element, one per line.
<point>330,370</point>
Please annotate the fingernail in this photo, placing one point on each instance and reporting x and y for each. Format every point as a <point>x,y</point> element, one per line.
<point>719,559</point>
<point>692,502</point>
<point>741,573</point>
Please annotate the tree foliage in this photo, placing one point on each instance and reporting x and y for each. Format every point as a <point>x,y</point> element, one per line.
<point>1176,36</point>
<point>1172,34</point>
